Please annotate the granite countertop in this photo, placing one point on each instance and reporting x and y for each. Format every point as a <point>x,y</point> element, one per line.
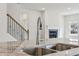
<point>70,52</point>
<point>19,54</point>
<point>14,54</point>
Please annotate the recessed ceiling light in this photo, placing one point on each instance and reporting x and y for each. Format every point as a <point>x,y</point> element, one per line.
<point>43,9</point>
<point>24,16</point>
<point>68,8</point>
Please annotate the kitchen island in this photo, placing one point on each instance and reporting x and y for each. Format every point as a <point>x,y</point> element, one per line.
<point>59,49</point>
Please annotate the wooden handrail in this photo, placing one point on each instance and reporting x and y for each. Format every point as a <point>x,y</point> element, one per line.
<point>17,22</point>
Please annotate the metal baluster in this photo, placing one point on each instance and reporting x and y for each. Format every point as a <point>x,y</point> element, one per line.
<point>13,28</point>
<point>10,26</point>
<point>24,35</point>
<point>20,33</point>
<point>17,31</point>
<point>7,24</point>
<point>12,34</point>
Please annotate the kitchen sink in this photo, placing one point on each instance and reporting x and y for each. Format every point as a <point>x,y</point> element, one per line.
<point>62,47</point>
<point>48,49</point>
<point>38,51</point>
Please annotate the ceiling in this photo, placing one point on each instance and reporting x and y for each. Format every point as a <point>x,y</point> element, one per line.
<point>52,6</point>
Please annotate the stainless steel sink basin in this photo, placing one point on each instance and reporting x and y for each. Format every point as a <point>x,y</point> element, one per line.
<point>38,51</point>
<point>62,47</point>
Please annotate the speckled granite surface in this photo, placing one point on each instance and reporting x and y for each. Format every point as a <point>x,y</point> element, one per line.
<point>14,54</point>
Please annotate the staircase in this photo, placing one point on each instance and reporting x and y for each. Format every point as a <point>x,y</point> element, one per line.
<point>17,31</point>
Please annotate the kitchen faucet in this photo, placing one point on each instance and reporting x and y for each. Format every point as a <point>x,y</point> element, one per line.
<point>39,27</point>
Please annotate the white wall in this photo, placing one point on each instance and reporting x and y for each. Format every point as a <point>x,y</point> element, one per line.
<point>55,19</point>
<point>69,19</point>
